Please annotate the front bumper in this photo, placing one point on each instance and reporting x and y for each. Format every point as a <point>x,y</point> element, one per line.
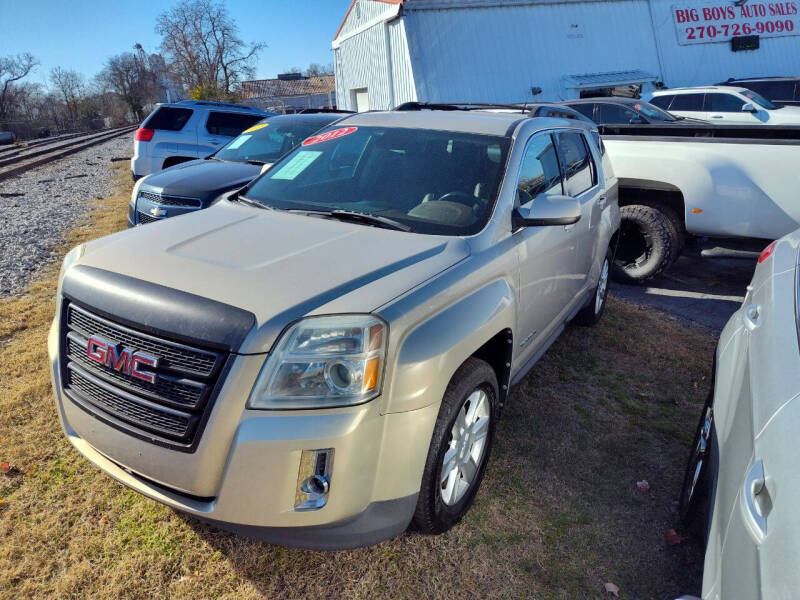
<point>243,475</point>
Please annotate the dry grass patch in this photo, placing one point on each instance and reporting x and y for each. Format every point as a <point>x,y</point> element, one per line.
<point>558,514</point>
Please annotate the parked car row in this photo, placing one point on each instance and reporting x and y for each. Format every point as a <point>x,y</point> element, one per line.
<point>380,281</point>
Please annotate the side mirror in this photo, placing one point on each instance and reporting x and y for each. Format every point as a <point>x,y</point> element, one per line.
<point>548,210</point>
<point>637,121</point>
<point>749,108</point>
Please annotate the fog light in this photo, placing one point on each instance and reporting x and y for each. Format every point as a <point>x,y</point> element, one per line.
<point>313,479</point>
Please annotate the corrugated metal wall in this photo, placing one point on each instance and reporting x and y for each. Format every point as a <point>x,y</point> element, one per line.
<point>497,53</point>
<point>361,57</point>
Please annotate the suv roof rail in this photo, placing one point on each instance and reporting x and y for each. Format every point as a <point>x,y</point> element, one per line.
<point>313,111</point>
<point>465,106</point>
<point>218,103</point>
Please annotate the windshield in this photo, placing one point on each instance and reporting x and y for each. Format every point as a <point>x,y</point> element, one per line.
<point>267,141</point>
<point>434,182</point>
<point>653,113</point>
<point>759,99</point>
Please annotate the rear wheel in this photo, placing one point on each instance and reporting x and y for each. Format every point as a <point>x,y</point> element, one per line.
<point>591,313</point>
<point>648,243</point>
<point>460,447</point>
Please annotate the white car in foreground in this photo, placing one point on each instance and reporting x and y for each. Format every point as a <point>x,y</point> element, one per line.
<point>742,485</point>
<point>725,105</point>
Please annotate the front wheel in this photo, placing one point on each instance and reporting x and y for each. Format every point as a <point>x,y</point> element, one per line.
<point>460,447</point>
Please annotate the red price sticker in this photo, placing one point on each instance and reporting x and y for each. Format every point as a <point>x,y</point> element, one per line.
<point>329,135</point>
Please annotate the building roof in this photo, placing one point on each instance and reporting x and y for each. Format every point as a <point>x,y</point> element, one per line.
<point>281,88</point>
<point>350,8</point>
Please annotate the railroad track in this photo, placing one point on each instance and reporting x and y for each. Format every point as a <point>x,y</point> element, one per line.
<point>14,149</point>
<point>31,158</point>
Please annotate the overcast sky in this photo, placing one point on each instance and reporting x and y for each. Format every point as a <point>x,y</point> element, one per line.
<point>82,34</point>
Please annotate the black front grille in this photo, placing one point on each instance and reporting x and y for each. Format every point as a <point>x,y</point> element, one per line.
<point>144,218</point>
<point>171,200</point>
<point>169,410</point>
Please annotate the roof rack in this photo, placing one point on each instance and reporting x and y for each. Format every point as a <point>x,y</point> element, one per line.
<point>218,103</point>
<point>464,106</point>
<point>313,111</point>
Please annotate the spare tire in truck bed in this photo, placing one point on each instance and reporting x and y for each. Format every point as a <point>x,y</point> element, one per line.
<point>648,243</point>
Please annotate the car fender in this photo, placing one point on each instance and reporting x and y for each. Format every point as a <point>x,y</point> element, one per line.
<point>426,358</point>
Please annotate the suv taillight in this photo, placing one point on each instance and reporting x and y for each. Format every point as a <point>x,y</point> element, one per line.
<point>143,134</point>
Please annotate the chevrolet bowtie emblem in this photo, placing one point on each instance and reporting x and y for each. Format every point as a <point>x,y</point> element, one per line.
<point>157,212</point>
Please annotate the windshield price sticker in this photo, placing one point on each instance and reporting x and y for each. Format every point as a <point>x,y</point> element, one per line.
<point>256,127</point>
<point>238,142</point>
<point>329,135</point>
<point>709,23</point>
<point>296,165</point>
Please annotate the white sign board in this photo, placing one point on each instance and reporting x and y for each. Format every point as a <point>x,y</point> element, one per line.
<point>708,23</point>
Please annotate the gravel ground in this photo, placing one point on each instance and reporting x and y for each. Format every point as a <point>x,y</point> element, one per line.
<point>39,206</point>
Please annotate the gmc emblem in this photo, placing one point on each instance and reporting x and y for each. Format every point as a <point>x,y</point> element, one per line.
<point>124,360</point>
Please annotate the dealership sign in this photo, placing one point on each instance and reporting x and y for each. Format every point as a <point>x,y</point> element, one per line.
<point>708,23</point>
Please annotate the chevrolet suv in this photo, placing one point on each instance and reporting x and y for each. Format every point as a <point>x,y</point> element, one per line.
<point>186,130</point>
<point>322,357</point>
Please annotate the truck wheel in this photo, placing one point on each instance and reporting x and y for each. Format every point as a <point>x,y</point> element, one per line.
<point>459,450</point>
<point>590,314</point>
<point>647,243</point>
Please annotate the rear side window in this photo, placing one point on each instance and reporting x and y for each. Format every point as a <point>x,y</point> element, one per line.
<point>580,170</point>
<point>614,114</point>
<point>723,103</point>
<point>230,124</point>
<point>586,110</point>
<point>662,101</point>
<point>539,173</point>
<point>690,102</point>
<point>773,90</point>
<point>168,118</point>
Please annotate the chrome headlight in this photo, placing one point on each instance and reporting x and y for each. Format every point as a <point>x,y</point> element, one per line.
<point>322,362</point>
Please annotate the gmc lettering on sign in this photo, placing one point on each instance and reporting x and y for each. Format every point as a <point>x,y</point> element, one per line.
<point>709,23</point>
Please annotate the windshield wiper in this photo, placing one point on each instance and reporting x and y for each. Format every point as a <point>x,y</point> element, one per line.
<point>356,217</point>
<point>243,200</point>
<point>255,162</point>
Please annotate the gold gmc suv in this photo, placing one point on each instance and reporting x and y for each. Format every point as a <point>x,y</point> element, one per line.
<point>321,358</point>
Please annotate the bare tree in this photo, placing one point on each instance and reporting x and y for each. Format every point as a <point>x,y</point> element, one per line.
<point>129,76</point>
<point>316,70</point>
<point>70,85</point>
<point>12,69</point>
<point>202,43</point>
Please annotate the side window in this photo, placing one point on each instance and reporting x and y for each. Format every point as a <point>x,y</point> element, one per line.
<point>586,110</point>
<point>540,173</point>
<point>727,103</point>
<point>168,118</point>
<point>773,90</point>
<point>688,102</point>
<point>229,124</point>
<point>615,114</point>
<point>662,101</point>
<point>579,168</point>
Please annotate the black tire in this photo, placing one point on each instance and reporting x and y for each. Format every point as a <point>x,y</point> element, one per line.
<point>591,314</point>
<point>696,491</point>
<point>433,515</point>
<point>648,243</point>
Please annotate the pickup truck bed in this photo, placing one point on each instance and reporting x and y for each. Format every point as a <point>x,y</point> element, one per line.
<point>700,180</point>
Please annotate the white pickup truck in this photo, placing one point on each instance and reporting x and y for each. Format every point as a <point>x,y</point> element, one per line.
<point>700,180</point>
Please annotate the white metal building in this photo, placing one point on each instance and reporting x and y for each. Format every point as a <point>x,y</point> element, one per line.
<point>392,51</point>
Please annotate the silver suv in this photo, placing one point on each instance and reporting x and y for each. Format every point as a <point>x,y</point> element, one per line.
<point>186,130</point>
<point>322,357</point>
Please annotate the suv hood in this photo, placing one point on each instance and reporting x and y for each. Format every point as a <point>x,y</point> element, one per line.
<point>203,179</point>
<point>786,115</point>
<point>278,266</point>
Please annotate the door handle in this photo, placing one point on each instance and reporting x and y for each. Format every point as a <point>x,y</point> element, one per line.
<point>757,500</point>
<point>752,317</point>
<point>717,117</point>
<point>601,201</point>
